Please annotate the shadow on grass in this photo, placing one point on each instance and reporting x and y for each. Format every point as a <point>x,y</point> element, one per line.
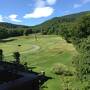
<point>7,40</point>
<point>32,67</point>
<point>11,69</point>
<point>43,79</point>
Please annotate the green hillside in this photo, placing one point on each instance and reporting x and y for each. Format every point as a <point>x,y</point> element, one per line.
<point>12,30</point>
<point>54,26</point>
<point>9,25</point>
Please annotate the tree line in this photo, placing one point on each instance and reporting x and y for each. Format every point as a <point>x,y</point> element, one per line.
<point>57,26</point>
<point>12,32</point>
<point>54,26</point>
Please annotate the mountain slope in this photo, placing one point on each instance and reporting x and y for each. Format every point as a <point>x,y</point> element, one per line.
<point>9,25</point>
<point>54,24</point>
<point>11,30</point>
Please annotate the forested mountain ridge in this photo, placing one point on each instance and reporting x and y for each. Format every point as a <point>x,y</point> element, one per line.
<point>67,18</point>
<point>9,25</point>
<point>53,26</point>
<point>11,30</point>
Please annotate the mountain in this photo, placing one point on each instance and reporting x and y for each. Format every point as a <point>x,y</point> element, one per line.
<point>11,30</point>
<point>66,18</point>
<point>9,25</point>
<point>54,25</point>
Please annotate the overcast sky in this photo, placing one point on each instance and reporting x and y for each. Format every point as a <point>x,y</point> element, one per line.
<point>32,12</point>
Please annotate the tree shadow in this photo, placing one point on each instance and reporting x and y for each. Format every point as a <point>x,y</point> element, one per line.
<point>43,79</point>
<point>7,40</point>
<point>32,67</point>
<point>13,68</point>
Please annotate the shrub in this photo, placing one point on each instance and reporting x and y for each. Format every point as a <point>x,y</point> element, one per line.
<point>16,55</point>
<point>62,69</point>
<point>1,54</point>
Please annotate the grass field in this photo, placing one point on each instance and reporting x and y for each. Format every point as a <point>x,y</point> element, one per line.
<point>41,54</point>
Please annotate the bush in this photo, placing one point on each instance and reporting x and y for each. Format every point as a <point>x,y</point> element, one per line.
<point>16,55</point>
<point>1,54</point>
<point>61,69</point>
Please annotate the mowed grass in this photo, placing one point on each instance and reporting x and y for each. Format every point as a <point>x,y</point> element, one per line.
<point>41,54</point>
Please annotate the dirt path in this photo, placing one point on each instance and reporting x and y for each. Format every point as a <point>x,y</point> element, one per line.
<point>34,48</point>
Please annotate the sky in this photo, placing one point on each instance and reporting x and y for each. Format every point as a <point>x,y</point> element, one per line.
<point>33,12</point>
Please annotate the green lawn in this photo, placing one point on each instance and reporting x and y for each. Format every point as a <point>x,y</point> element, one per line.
<point>41,54</point>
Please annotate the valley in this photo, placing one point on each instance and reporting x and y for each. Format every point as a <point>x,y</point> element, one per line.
<point>41,54</point>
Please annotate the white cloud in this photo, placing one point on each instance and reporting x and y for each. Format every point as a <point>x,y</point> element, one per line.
<point>13,17</point>
<point>77,5</point>
<point>51,2</point>
<point>42,9</point>
<point>40,12</point>
<point>40,3</point>
<point>67,11</point>
<point>1,18</point>
<point>83,2</point>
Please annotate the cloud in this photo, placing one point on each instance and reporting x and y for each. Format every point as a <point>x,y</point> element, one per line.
<point>1,18</point>
<point>42,8</point>
<point>77,5</point>
<point>13,17</point>
<point>40,3</point>
<point>67,11</point>
<point>51,2</point>
<point>83,2</point>
<point>40,12</point>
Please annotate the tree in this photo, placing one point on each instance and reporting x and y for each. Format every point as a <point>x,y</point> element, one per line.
<point>1,55</point>
<point>82,61</point>
<point>3,33</point>
<point>17,57</point>
<point>27,32</point>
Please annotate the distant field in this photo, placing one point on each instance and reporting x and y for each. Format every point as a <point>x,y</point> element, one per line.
<point>41,54</point>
